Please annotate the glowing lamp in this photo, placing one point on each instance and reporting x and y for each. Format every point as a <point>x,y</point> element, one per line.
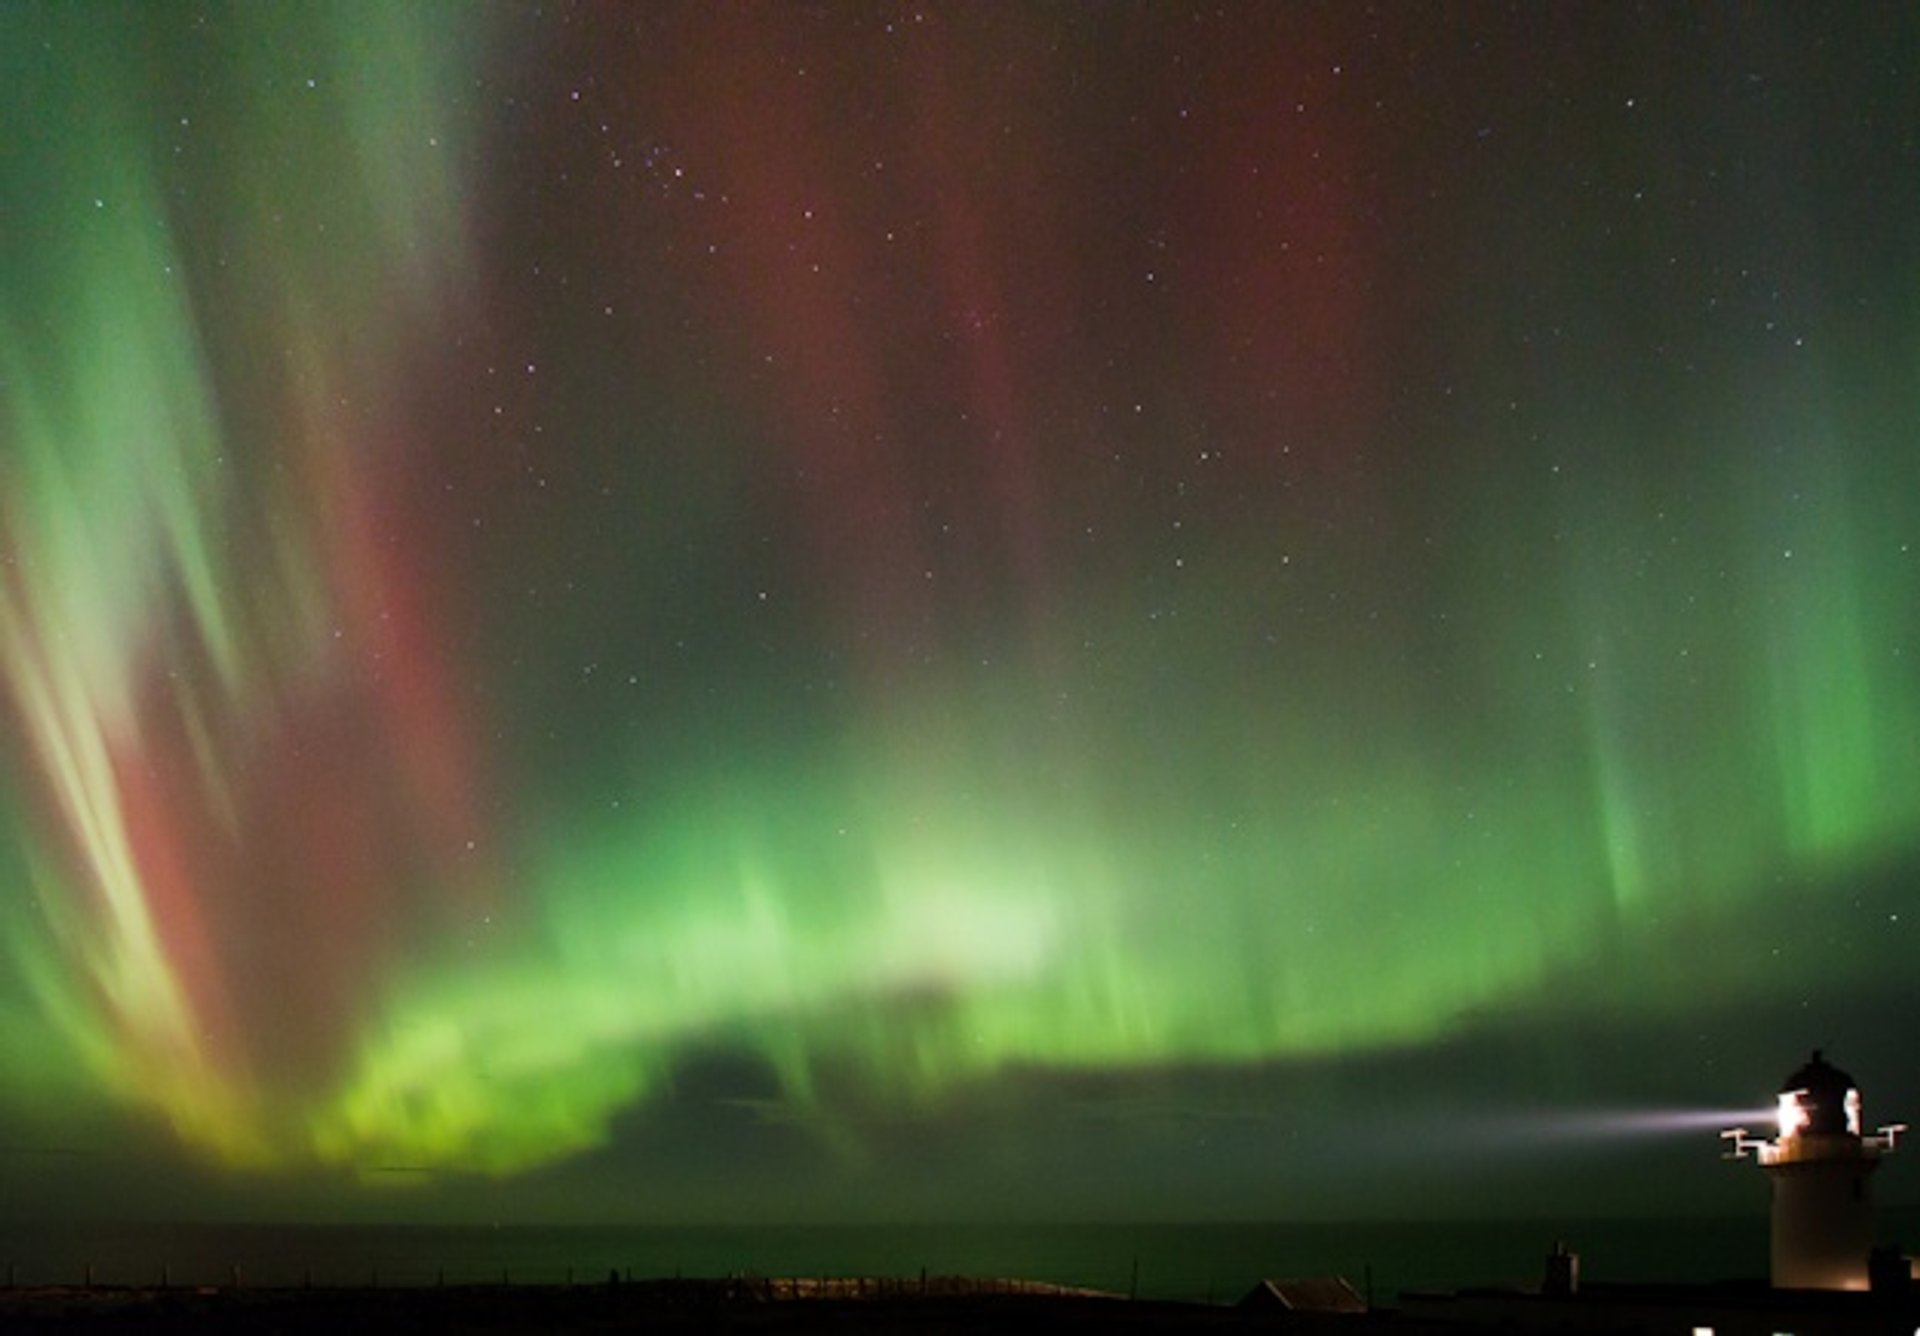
<point>1793,1114</point>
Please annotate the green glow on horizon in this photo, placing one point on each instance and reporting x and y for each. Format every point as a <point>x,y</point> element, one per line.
<point>960,938</point>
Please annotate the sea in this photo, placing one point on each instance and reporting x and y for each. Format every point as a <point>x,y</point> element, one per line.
<point>1214,1262</point>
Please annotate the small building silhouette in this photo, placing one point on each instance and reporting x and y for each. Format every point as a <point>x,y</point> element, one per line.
<point>1308,1294</point>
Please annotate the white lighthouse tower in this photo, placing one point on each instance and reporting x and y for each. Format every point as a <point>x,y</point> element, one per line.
<point>1819,1166</point>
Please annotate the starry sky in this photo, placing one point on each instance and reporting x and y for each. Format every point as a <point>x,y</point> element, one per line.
<point>825,611</point>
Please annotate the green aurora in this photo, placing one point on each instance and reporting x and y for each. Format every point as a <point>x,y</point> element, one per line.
<point>542,550</point>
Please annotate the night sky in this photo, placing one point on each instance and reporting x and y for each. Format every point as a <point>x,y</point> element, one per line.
<point>802,611</point>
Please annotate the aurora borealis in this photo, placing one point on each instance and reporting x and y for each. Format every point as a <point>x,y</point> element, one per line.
<point>599,590</point>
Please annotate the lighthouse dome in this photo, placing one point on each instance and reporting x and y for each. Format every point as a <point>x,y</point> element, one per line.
<point>1827,1097</point>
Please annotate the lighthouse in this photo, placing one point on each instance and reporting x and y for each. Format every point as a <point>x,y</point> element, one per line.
<point>1819,1165</point>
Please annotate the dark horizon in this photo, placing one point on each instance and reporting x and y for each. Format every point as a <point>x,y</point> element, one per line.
<point>1178,1261</point>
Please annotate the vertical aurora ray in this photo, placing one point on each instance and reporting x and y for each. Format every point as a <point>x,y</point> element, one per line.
<point>176,599</point>
<point>1834,696</point>
<point>109,495</point>
<point>535,565</point>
